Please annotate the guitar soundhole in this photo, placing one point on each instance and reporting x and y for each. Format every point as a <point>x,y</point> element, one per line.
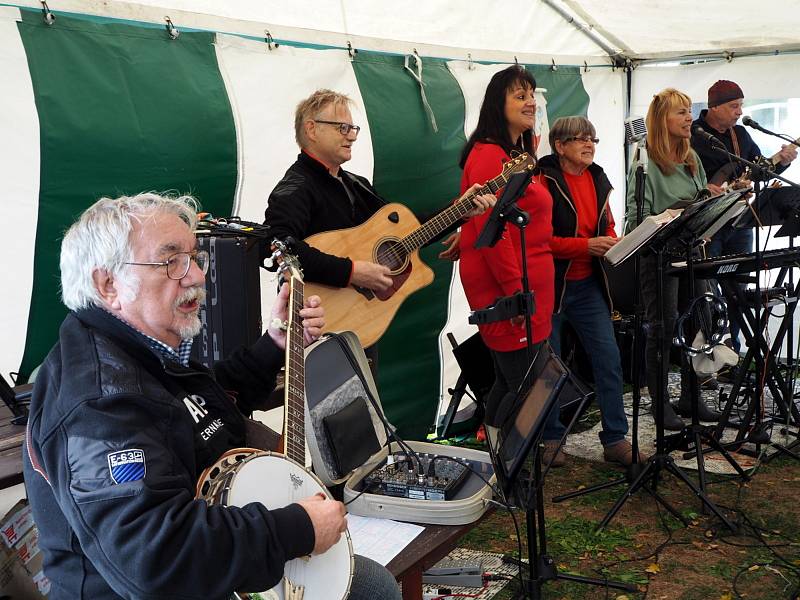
<point>390,253</point>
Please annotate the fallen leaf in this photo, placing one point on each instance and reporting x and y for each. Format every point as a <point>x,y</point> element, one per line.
<point>754,568</point>
<point>653,568</point>
<point>726,596</point>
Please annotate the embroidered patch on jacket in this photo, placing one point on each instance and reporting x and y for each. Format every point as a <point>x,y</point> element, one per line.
<point>126,465</point>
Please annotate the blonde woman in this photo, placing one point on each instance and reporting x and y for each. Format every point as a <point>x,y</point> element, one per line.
<point>675,176</point>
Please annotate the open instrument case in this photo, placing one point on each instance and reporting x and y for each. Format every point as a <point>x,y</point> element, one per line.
<point>347,441</point>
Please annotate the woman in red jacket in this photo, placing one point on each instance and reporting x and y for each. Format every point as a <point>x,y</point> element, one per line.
<point>505,126</point>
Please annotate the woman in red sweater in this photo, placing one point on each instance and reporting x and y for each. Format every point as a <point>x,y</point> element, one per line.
<point>504,126</point>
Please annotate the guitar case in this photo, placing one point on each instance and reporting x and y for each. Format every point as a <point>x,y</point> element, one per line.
<point>347,433</point>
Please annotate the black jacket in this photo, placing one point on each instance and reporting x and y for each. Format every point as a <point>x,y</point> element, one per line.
<point>714,160</point>
<point>565,220</point>
<point>310,200</point>
<point>103,399</point>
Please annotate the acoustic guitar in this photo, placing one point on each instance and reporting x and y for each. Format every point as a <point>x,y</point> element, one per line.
<point>726,172</point>
<point>391,237</point>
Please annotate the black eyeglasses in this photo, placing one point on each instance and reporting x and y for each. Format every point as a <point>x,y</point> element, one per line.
<point>179,263</point>
<point>344,128</point>
<point>583,139</point>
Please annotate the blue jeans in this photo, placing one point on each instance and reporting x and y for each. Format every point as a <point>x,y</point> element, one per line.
<point>585,308</point>
<point>731,241</point>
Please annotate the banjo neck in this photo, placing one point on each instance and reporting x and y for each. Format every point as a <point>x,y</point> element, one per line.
<point>294,394</point>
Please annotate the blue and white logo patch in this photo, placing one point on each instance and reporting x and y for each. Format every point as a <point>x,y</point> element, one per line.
<point>126,465</point>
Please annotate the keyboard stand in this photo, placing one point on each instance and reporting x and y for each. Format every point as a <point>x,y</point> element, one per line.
<point>752,425</point>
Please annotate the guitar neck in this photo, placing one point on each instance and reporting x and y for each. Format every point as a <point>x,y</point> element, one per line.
<point>775,159</point>
<point>294,393</point>
<point>425,233</point>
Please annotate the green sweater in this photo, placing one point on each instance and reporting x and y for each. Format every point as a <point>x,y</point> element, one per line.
<point>663,191</point>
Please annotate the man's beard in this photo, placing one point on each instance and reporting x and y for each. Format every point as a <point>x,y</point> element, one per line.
<point>191,323</point>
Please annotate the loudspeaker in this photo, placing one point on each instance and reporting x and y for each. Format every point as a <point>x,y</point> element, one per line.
<point>231,313</point>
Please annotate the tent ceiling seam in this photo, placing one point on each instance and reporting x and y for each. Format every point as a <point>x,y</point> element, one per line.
<point>593,24</point>
<point>616,56</point>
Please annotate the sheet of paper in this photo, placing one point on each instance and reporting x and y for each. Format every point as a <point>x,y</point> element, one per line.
<point>380,539</point>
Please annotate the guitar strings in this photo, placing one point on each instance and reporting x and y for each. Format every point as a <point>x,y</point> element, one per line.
<point>397,252</point>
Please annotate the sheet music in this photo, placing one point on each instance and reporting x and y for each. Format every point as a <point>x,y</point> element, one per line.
<point>380,539</point>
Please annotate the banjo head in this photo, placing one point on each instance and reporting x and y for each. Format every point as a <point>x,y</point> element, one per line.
<point>275,481</point>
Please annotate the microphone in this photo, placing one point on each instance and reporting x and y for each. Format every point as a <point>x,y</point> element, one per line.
<point>746,120</point>
<point>635,130</point>
<point>702,133</point>
<point>636,134</point>
<point>750,123</point>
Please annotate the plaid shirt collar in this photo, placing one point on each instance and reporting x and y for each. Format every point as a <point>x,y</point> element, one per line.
<point>161,349</point>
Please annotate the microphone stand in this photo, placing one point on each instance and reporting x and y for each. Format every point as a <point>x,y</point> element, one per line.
<point>790,366</point>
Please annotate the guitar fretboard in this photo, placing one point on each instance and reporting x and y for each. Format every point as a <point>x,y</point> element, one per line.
<point>425,233</point>
<point>294,421</point>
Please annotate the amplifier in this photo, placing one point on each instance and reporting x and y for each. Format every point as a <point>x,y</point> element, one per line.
<point>434,478</point>
<point>231,313</point>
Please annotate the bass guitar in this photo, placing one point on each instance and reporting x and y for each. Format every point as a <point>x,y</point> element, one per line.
<point>245,475</point>
<point>391,237</point>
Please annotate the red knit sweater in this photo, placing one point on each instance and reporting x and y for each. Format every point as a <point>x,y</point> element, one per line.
<point>576,249</point>
<point>489,273</point>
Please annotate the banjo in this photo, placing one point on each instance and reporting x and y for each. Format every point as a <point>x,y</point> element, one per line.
<point>245,475</point>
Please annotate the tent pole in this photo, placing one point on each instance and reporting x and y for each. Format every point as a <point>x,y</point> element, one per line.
<point>615,55</point>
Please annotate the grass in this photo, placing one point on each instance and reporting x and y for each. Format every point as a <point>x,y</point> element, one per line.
<point>649,548</point>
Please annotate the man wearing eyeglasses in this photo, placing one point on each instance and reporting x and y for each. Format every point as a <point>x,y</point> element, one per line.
<point>122,423</point>
<point>317,195</point>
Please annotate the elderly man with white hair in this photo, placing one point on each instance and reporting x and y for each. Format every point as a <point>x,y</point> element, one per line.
<point>122,423</point>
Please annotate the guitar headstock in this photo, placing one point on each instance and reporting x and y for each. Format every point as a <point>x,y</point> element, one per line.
<point>519,163</point>
<point>287,263</point>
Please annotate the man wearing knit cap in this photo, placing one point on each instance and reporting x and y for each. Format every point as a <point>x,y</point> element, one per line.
<point>725,99</point>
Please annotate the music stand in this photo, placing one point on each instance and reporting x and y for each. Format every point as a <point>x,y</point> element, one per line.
<point>522,422</point>
<point>700,224</point>
<point>697,217</point>
<point>774,206</point>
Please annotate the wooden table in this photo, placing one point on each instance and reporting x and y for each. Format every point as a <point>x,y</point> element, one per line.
<point>11,440</point>
<point>428,548</point>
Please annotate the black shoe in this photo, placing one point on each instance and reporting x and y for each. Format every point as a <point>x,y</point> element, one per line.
<point>672,422</point>
<point>704,413</point>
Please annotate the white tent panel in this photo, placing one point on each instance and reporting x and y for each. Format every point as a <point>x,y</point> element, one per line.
<point>606,91</point>
<point>19,172</point>
<point>684,27</point>
<point>759,77</point>
<point>264,87</point>
<point>531,31</point>
<point>516,28</point>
